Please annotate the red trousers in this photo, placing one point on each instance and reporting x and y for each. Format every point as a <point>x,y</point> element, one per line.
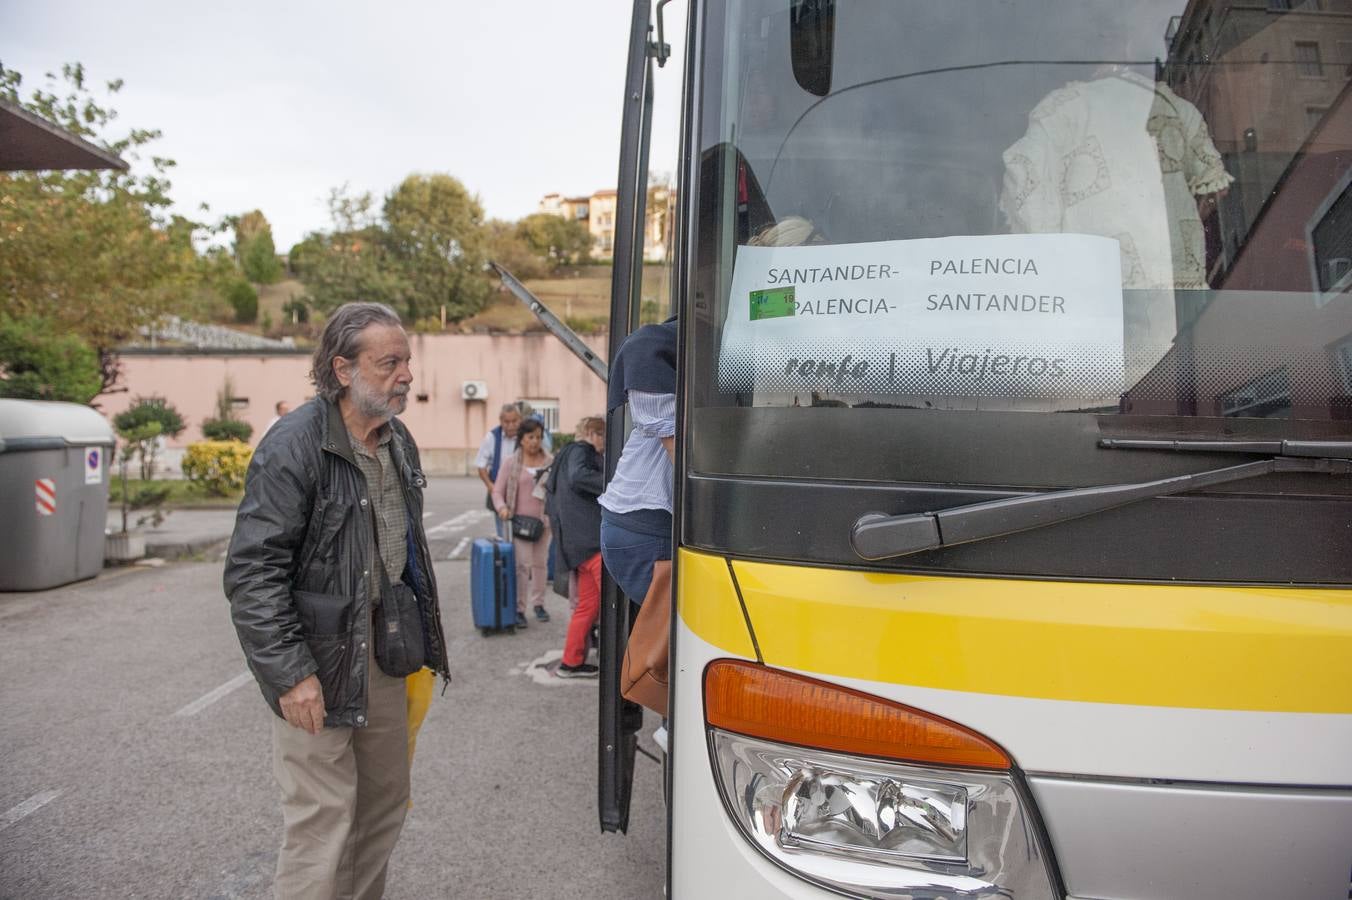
<point>588,608</point>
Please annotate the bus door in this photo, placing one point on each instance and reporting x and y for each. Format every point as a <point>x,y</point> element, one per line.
<point>641,293</point>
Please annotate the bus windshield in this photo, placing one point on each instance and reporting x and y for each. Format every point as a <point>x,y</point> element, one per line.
<point>965,243</point>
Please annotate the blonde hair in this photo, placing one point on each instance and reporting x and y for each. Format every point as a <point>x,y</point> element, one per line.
<point>793,231</point>
<point>590,425</point>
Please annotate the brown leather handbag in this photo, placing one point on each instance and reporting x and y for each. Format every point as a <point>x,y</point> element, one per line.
<point>644,673</point>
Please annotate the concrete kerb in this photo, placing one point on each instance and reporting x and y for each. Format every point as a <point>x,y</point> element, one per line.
<point>207,547</point>
<point>186,533</point>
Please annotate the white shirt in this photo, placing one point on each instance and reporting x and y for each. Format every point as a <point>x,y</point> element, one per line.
<point>644,474</point>
<point>484,459</point>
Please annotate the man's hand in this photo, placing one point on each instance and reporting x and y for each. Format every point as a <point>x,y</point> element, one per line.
<point>303,705</point>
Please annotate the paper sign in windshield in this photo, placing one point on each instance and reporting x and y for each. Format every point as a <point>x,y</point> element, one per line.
<point>1014,316</point>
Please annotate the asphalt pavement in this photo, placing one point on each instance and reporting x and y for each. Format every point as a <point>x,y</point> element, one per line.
<point>136,760</point>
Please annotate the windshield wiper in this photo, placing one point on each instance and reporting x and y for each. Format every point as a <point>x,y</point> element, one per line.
<point>880,536</point>
<point>1305,449</point>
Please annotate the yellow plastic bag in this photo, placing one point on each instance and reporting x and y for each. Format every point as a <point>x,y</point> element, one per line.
<point>419,686</point>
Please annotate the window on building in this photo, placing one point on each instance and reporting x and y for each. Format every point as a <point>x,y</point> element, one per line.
<point>1279,5</point>
<point>548,410</point>
<point>1266,397</point>
<point>1331,240</point>
<point>1308,64</point>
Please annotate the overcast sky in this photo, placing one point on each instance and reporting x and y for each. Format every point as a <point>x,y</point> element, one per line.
<point>269,105</point>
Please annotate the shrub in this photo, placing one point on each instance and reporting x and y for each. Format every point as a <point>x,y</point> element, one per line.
<point>218,467</point>
<point>227,430</point>
<point>38,364</point>
<point>243,299</point>
<point>586,324</point>
<point>561,439</point>
<point>297,310</point>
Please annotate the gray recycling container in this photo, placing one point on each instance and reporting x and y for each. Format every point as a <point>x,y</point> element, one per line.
<point>54,470</point>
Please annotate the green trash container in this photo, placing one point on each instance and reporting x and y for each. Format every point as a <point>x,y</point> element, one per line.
<point>54,469</point>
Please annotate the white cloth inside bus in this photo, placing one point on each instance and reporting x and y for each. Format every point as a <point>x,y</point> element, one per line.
<point>1120,156</point>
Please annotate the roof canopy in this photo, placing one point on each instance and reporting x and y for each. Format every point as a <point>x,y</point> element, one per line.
<point>28,141</point>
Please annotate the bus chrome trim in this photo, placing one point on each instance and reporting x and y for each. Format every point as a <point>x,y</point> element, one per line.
<point>1194,841</point>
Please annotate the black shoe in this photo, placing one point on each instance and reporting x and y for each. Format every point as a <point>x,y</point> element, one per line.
<point>521,620</point>
<point>585,670</point>
<point>542,614</point>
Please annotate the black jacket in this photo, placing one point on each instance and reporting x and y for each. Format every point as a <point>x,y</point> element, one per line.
<point>300,564</point>
<point>576,479</point>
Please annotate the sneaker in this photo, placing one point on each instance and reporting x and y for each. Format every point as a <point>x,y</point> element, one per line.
<point>542,614</point>
<point>585,670</point>
<point>521,620</point>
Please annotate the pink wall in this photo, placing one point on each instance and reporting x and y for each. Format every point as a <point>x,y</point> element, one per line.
<point>446,427</point>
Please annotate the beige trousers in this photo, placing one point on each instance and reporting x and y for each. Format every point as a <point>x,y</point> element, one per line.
<point>344,795</point>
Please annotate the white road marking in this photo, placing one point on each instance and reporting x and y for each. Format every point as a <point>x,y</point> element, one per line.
<point>27,808</point>
<point>427,515</point>
<point>459,548</point>
<point>207,699</point>
<point>541,671</point>
<point>459,523</point>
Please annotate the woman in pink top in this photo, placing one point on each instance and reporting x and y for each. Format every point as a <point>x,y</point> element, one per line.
<point>514,495</point>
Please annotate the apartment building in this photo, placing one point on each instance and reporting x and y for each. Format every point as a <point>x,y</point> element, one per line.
<point>597,214</point>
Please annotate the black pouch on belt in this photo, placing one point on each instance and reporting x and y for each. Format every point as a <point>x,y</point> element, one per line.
<point>398,624</point>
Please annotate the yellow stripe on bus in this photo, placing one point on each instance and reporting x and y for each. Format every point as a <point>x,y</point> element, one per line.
<point>708,603</point>
<point>1272,649</point>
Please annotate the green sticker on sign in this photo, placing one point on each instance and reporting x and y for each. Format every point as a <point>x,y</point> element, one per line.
<point>774,303</point>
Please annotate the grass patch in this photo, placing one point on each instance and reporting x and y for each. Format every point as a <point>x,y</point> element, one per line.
<point>182,495</point>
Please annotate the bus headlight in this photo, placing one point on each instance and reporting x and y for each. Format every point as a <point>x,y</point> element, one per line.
<point>878,829</point>
<point>868,797</point>
<point>834,809</point>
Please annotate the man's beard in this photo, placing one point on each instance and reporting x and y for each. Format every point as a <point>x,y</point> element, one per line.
<point>372,403</point>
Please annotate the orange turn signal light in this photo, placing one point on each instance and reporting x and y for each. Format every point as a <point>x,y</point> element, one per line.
<point>761,702</point>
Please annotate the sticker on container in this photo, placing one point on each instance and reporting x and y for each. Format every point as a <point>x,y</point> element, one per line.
<point>93,465</point>
<point>45,494</point>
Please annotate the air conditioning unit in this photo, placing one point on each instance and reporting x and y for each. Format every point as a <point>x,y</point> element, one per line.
<point>474,390</point>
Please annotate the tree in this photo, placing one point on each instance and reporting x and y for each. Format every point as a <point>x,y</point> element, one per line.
<point>303,256</point>
<point>36,364</point>
<point>561,241</point>
<point>254,249</point>
<point>93,253</point>
<point>508,249</point>
<point>435,236</point>
<point>350,263</point>
<point>145,411</point>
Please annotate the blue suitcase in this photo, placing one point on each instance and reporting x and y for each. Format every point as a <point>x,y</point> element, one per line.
<point>492,585</point>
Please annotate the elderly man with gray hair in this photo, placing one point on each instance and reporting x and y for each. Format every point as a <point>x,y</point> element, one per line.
<point>334,600</point>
